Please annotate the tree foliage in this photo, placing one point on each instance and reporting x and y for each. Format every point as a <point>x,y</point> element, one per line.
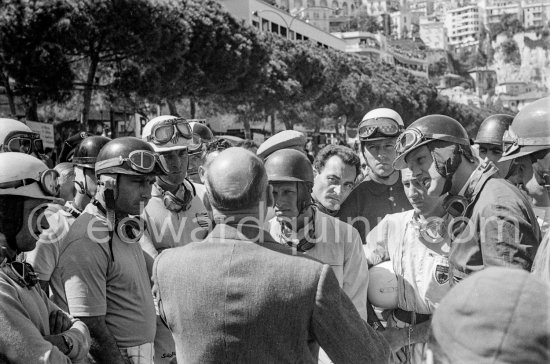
<point>31,54</point>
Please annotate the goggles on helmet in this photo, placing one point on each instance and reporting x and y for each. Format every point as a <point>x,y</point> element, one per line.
<point>24,142</point>
<point>384,126</point>
<point>201,134</point>
<point>48,181</point>
<point>171,129</point>
<point>142,161</point>
<point>411,138</point>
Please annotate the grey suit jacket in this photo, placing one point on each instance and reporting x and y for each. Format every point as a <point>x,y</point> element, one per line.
<point>230,300</point>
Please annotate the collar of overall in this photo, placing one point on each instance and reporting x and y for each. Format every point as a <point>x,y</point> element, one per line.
<point>20,271</point>
<point>304,239</point>
<point>178,202</point>
<point>432,230</point>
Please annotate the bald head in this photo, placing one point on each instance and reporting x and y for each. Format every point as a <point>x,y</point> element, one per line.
<point>235,180</point>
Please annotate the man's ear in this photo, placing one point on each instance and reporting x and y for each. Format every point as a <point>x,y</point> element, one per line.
<point>202,174</point>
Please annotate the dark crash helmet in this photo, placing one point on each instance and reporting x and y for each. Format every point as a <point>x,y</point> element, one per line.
<point>291,165</point>
<point>426,130</point>
<point>492,129</point>
<point>130,156</point>
<point>86,152</point>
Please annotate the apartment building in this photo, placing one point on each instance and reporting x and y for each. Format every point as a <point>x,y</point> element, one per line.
<point>463,26</point>
<point>536,13</point>
<point>491,11</point>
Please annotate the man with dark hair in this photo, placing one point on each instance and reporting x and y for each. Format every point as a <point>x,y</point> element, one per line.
<point>336,168</point>
<point>240,297</point>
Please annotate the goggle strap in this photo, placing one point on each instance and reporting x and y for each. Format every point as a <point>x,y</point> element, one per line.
<point>18,183</point>
<point>531,141</point>
<point>112,162</point>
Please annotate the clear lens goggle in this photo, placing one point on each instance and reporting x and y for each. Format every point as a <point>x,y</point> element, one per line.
<point>142,161</point>
<point>385,126</point>
<point>170,130</point>
<point>48,182</point>
<point>24,142</point>
<point>410,138</point>
<point>201,134</point>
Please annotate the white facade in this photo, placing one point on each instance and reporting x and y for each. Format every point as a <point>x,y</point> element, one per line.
<point>433,32</point>
<point>536,13</point>
<point>273,19</point>
<point>463,26</point>
<point>490,11</point>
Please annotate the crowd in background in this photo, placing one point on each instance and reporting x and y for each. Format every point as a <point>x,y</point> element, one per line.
<point>418,244</point>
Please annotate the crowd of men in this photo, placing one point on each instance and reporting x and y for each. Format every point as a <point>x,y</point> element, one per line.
<point>180,247</point>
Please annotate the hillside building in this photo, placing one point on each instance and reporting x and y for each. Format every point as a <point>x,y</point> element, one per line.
<point>463,26</point>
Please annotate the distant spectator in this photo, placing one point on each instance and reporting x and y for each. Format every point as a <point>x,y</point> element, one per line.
<point>249,145</point>
<point>66,180</point>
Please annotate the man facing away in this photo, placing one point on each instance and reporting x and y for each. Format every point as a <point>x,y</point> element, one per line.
<point>241,297</point>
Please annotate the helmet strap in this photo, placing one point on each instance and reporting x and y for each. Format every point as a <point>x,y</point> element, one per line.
<point>448,167</point>
<point>304,199</point>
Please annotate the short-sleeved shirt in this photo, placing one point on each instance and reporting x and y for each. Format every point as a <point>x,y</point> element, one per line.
<point>338,244</point>
<point>45,256</point>
<point>98,283</point>
<point>372,201</point>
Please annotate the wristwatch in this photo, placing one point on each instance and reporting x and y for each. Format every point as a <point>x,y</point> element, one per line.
<point>68,342</point>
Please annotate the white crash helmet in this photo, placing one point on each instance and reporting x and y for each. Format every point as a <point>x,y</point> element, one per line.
<point>382,290</point>
<point>379,124</point>
<point>166,133</point>
<point>18,137</point>
<point>24,175</point>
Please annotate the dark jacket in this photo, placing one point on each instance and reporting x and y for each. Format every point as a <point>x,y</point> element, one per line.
<point>229,299</point>
<point>499,227</point>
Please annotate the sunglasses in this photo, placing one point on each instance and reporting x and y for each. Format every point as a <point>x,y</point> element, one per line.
<point>142,161</point>
<point>170,130</point>
<point>23,142</point>
<point>384,126</point>
<point>47,180</point>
